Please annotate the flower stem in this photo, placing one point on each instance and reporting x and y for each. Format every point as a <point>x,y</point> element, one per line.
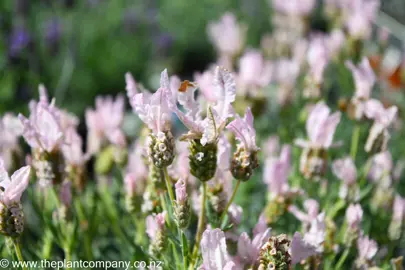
<point>230,201</point>
<point>19,253</point>
<point>200,227</point>
<point>68,256</point>
<point>169,186</point>
<point>342,258</point>
<point>355,142</point>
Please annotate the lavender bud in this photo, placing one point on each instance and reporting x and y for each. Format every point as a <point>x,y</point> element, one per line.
<point>203,160</point>
<point>243,164</point>
<point>11,219</point>
<point>161,149</point>
<point>274,253</point>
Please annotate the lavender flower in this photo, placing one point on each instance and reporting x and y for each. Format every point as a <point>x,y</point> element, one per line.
<point>354,215</point>
<point>345,170</point>
<point>214,251</point>
<point>320,126</point>
<point>276,173</point>
<point>367,249</point>
<point>312,210</point>
<point>227,35</point>
<point>361,15</point>
<point>43,129</point>
<point>379,135</point>
<point>104,123</point>
<point>398,212</point>
<point>10,131</point>
<point>300,250</point>
<point>11,213</point>
<point>294,7</point>
<point>155,229</point>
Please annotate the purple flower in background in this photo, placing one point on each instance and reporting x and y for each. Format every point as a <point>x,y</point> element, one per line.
<point>137,171</point>
<point>361,15</point>
<point>380,170</point>
<point>345,170</point>
<point>181,191</point>
<point>214,251</point>
<point>354,215</point>
<point>276,172</point>
<point>318,57</point>
<point>10,131</point>
<point>317,233</point>
<point>53,31</point>
<point>12,189</point>
<point>320,126</point>
<point>364,78</point>
<point>227,35</point>
<point>72,148</point>
<point>299,249</point>
<point>65,193</point>
<point>19,40</point>
<point>398,209</point>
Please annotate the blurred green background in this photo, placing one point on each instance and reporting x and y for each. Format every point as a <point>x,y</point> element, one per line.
<point>82,48</point>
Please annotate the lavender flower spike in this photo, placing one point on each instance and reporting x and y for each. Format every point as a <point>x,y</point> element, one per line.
<point>354,215</point>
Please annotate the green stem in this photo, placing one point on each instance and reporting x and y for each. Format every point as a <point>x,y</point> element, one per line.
<point>200,227</point>
<point>230,201</point>
<point>366,170</point>
<point>68,257</point>
<point>19,253</point>
<point>169,186</point>
<point>184,248</point>
<point>355,142</point>
<point>342,258</point>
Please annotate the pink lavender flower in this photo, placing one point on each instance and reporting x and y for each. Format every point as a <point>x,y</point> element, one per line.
<point>345,170</point>
<point>354,215</point>
<point>398,209</point>
<point>276,172</point>
<point>248,250</point>
<point>72,149</point>
<point>367,248</point>
<point>227,35</point>
<point>335,42</point>
<point>155,223</point>
<point>104,122</point>
<point>181,192</point>
<point>300,250</point>
<point>205,83</point>
<point>254,71</point>
<point>10,131</point>
<point>312,210</point>
<point>214,251</point>
<point>294,7</point>
<point>271,146</point>
<point>320,126</point>
<point>361,15</point>
<point>65,193</point>
<point>379,135</point>
<point>137,171</point>
<point>318,57</point>
<point>12,189</point>
<point>364,78</point>
<point>43,129</point>
<point>244,131</point>
<point>208,129</point>
<point>381,167</point>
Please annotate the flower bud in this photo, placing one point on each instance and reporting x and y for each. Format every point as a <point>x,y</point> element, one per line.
<point>203,160</point>
<point>11,219</point>
<point>182,210</point>
<point>161,149</point>
<point>243,163</point>
<point>49,167</point>
<point>274,253</point>
<point>157,233</point>
<point>377,140</point>
<point>157,177</point>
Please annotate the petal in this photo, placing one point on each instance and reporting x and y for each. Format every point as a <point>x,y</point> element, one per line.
<point>19,182</point>
<point>299,250</point>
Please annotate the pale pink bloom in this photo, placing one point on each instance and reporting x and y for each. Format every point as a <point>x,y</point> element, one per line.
<point>299,249</point>
<point>104,122</point>
<point>137,171</point>
<point>361,16</point>
<point>12,189</point>
<point>345,170</point>
<point>235,213</point>
<point>208,129</point>
<point>294,7</point>
<point>154,110</point>
<point>131,88</point>
<point>354,215</point>
<point>287,71</point>
<point>300,50</point>
<point>311,212</point>
<point>10,131</point>
<point>227,35</point>
<point>214,251</point>
<point>366,247</point>
<point>248,250</point>
<point>320,126</point>
<point>364,78</point>
<point>65,193</point>
<point>42,130</point>
<point>261,225</point>
<point>180,167</point>
<point>374,109</point>
<point>223,153</point>
<point>72,149</point>
<point>181,191</point>
<point>318,57</point>
<point>155,223</point>
<point>317,233</point>
<point>276,172</point>
<point>398,209</point>
<point>244,131</point>
<point>254,70</point>
<point>381,167</point>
